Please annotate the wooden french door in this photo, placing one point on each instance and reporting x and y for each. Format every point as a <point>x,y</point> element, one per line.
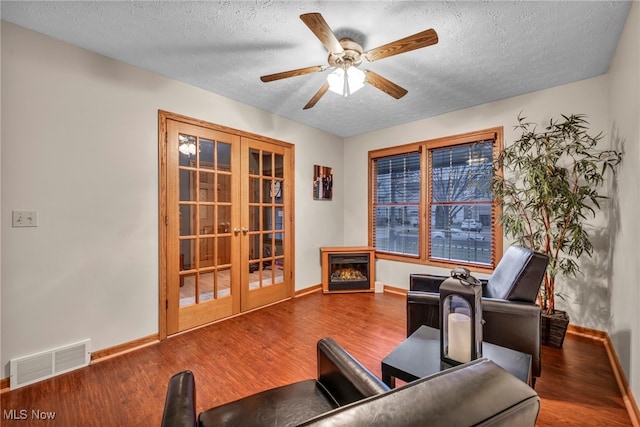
<point>227,232</point>
<point>266,223</point>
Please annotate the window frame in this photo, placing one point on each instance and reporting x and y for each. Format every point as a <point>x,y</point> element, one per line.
<point>424,230</point>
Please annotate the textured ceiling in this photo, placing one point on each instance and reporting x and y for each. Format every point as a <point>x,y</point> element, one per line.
<point>486,51</point>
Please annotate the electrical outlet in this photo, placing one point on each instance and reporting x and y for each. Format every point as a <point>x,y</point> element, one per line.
<point>24,218</point>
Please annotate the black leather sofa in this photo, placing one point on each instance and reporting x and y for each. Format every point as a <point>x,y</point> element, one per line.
<point>347,394</point>
<point>509,303</point>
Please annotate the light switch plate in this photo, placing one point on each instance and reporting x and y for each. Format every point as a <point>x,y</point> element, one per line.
<point>24,218</point>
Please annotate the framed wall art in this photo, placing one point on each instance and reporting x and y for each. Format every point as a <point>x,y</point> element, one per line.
<point>322,183</point>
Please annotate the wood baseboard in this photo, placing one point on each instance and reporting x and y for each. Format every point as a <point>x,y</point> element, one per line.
<point>394,290</point>
<point>308,290</point>
<point>316,288</point>
<point>618,372</point>
<point>587,332</point>
<point>107,353</point>
<point>4,385</point>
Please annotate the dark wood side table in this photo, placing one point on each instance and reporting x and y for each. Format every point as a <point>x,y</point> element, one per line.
<point>419,356</point>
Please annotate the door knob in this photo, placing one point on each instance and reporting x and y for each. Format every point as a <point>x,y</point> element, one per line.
<point>245,230</point>
<point>236,230</point>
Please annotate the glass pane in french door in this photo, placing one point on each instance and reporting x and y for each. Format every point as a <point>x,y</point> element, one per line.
<point>204,199</point>
<point>266,227</point>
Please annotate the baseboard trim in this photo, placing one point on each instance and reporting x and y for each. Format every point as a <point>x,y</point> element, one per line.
<point>618,372</point>
<point>120,349</point>
<point>394,290</point>
<point>316,288</point>
<point>308,290</point>
<point>586,332</point>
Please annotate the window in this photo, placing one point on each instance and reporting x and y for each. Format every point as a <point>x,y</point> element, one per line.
<point>431,202</point>
<point>397,203</point>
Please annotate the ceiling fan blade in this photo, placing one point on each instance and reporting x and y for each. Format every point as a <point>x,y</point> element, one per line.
<point>317,96</point>
<point>387,86</point>
<point>321,29</point>
<point>293,73</point>
<point>407,44</point>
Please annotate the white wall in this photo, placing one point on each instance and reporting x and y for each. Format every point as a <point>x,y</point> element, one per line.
<point>624,124</point>
<point>79,144</point>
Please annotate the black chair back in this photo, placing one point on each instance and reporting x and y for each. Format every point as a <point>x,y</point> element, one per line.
<point>518,275</point>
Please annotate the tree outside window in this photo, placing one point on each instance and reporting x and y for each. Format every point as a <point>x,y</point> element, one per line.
<point>460,203</point>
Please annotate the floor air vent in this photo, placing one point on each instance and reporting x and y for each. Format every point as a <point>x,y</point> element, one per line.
<point>40,366</point>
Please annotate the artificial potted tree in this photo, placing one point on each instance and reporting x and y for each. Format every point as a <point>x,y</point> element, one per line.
<point>549,184</point>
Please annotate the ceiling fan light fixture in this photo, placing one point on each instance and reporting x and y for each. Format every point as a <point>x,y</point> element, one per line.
<point>346,81</point>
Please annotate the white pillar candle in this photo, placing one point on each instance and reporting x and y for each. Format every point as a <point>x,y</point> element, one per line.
<point>459,337</point>
<point>463,310</point>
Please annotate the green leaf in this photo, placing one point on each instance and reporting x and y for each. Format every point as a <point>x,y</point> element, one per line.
<point>550,188</point>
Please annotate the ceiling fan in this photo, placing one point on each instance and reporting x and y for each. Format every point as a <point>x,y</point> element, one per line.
<point>345,56</point>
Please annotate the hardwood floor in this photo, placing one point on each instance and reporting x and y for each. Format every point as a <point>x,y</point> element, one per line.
<point>276,346</point>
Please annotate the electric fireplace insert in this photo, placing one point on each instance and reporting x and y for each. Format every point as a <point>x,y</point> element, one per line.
<point>347,269</point>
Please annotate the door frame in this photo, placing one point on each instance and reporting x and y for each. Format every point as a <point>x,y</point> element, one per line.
<point>163,117</point>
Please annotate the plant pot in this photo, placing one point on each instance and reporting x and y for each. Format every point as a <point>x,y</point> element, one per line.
<point>554,328</point>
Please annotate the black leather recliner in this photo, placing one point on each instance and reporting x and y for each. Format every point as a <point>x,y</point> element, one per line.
<point>341,380</point>
<point>347,394</point>
<point>509,303</point>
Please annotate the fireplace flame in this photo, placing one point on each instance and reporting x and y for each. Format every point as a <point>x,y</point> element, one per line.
<point>347,274</point>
